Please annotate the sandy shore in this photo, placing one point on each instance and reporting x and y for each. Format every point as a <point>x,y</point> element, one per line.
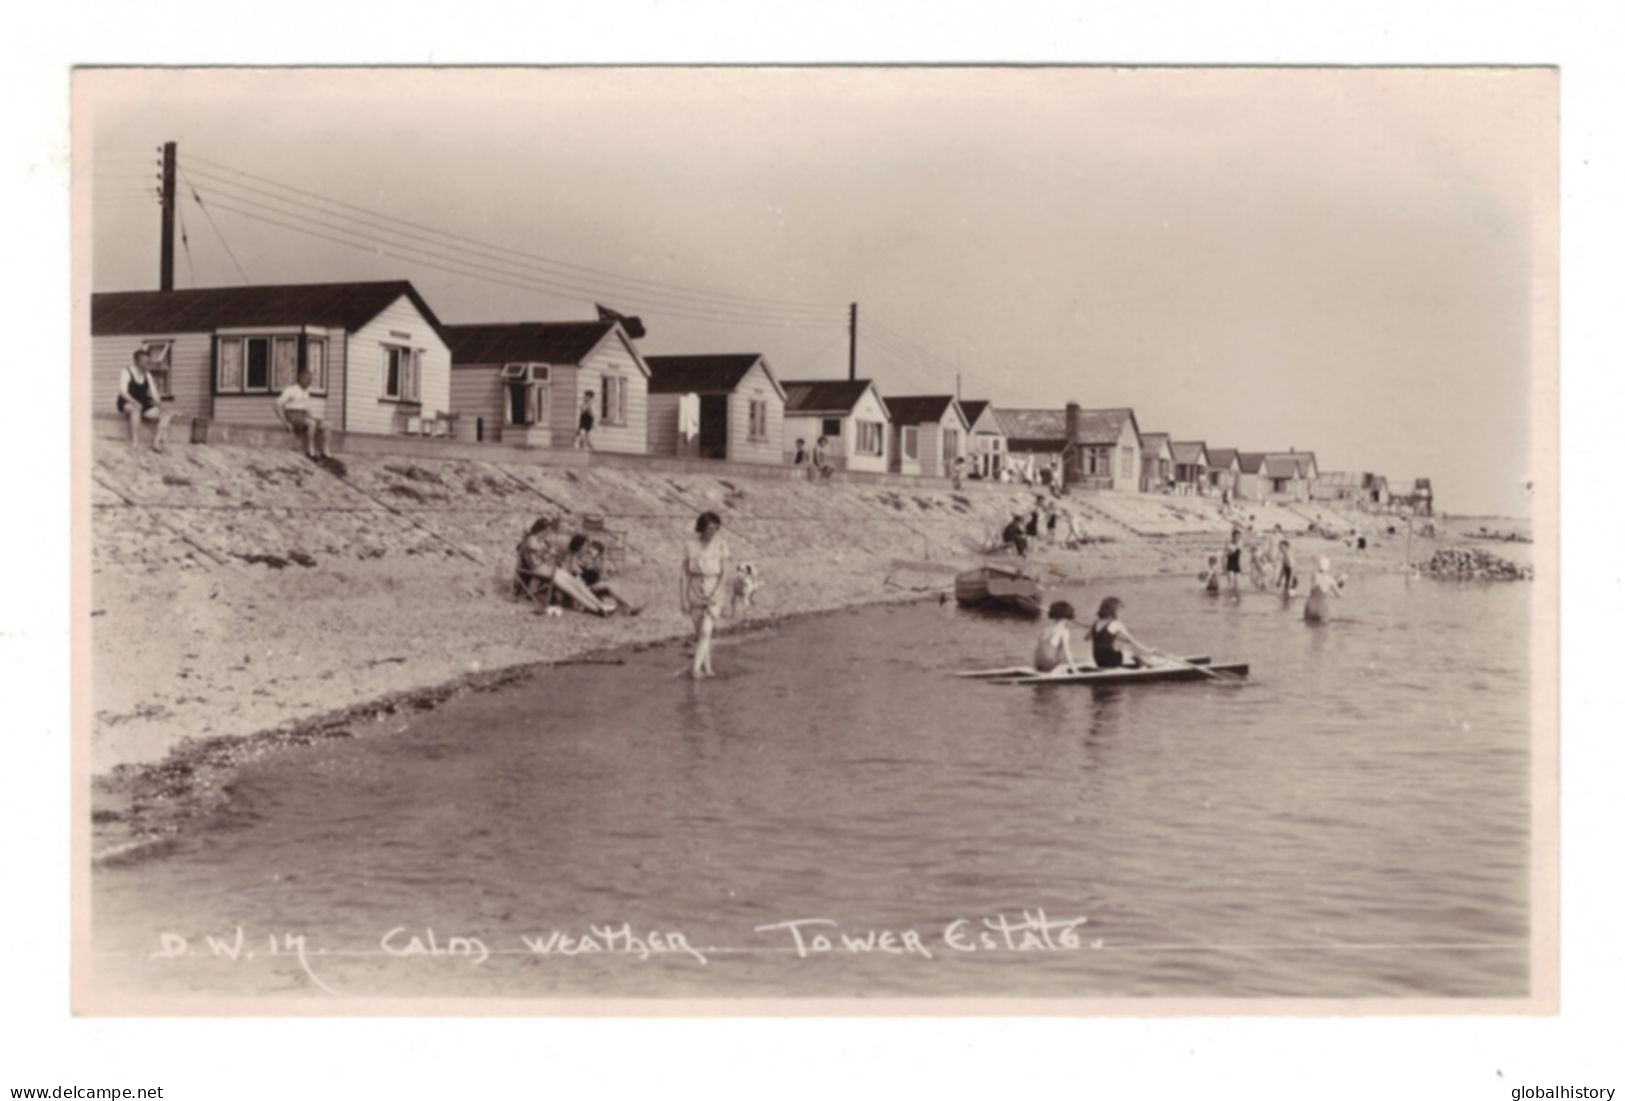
<point>247,600</point>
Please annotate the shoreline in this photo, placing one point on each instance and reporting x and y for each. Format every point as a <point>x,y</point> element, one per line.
<point>246,603</point>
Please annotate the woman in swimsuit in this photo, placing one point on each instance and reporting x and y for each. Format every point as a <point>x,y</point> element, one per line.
<point>1108,635</point>
<point>1232,563</point>
<point>139,400</point>
<point>705,566</point>
<point>1317,609</point>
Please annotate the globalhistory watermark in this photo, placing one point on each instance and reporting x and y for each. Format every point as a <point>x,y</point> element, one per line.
<point>1542,1093</point>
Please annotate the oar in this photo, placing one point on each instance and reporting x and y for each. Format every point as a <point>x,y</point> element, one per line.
<point>1222,678</point>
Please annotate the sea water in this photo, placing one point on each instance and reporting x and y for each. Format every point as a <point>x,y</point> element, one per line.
<point>837,815</point>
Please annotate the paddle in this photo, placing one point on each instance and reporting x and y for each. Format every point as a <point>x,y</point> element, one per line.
<point>1222,678</point>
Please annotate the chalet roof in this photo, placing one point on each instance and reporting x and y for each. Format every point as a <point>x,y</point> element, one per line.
<point>1345,479</point>
<point>703,373</point>
<point>518,341</point>
<point>1223,457</point>
<point>919,409</point>
<point>973,411</point>
<point>1033,424</point>
<point>1153,441</point>
<point>808,397</point>
<point>203,309</point>
<point>1281,466</point>
<point>1189,451</point>
<point>1252,462</point>
<point>1095,426</point>
<point>1303,459</point>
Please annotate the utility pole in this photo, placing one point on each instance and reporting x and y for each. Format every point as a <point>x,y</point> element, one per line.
<point>852,349</point>
<point>957,372</point>
<point>166,255</point>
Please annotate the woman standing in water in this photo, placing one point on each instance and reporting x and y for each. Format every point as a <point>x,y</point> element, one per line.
<point>705,566</point>
<point>1316,609</point>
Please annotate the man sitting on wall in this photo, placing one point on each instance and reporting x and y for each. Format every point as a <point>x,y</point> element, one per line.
<point>293,409</point>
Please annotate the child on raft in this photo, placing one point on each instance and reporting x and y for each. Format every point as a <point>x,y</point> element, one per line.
<point>1317,609</point>
<point>1054,652</point>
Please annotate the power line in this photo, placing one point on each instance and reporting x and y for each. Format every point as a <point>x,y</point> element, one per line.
<point>529,285</point>
<point>756,302</point>
<point>603,288</point>
<point>210,216</point>
<point>186,246</point>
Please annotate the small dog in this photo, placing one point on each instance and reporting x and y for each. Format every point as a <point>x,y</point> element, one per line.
<point>745,584</point>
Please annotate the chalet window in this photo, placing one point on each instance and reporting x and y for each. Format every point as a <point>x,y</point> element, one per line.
<point>871,438</point>
<point>911,442</point>
<point>528,393</point>
<point>1097,461</point>
<point>284,361</point>
<point>832,427</point>
<point>758,420</point>
<point>950,445</point>
<point>1127,469</point>
<point>402,368</point>
<point>613,401</point>
<point>316,363</point>
<point>257,353</point>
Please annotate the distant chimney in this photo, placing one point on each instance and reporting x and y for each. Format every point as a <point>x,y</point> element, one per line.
<point>1072,457</point>
<point>1074,422</point>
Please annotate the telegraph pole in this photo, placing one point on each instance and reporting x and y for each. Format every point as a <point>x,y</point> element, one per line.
<point>852,348</point>
<point>166,255</point>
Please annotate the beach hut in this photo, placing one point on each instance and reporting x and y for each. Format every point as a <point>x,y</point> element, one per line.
<point>1156,463</point>
<point>376,352</point>
<point>525,382</point>
<point>1305,471</point>
<point>988,454</point>
<point>928,432</point>
<point>1345,487</point>
<point>847,412</point>
<point>1099,448</point>
<point>1190,466</point>
<point>1250,485</point>
<point>716,407</point>
<point>1223,470</point>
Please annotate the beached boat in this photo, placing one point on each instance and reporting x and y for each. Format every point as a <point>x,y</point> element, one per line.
<point>999,588</point>
<point>1232,671</point>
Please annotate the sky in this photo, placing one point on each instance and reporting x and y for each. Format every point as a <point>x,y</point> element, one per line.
<point>1338,260</point>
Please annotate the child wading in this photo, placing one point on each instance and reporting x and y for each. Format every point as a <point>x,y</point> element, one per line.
<point>1054,652</point>
<point>1210,576</point>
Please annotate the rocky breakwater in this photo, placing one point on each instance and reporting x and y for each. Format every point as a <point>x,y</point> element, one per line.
<point>1471,563</point>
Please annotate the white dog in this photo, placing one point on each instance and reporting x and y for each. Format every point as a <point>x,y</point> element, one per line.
<point>745,584</point>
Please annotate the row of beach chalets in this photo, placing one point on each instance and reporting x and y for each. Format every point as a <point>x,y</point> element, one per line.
<point>382,363</point>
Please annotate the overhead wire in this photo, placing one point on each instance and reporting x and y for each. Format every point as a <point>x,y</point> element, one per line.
<point>755,302</point>
<point>207,213</point>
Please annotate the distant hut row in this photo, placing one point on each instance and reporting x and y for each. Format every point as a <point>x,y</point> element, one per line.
<point>383,363</point>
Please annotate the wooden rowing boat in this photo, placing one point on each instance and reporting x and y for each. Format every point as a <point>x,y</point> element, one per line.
<point>1146,674</point>
<point>999,588</point>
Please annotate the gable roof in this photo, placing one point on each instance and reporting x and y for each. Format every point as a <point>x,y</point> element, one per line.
<point>1303,460</point>
<point>1221,457</point>
<point>1033,424</point>
<point>1281,466</point>
<point>974,411</point>
<point>203,309</point>
<point>519,341</point>
<point>704,373</point>
<point>1252,462</point>
<point>809,397</point>
<point>1105,426</point>
<point>1189,451</point>
<point>1344,479</point>
<point>924,409</point>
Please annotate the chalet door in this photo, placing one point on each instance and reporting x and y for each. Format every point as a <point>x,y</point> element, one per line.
<point>518,403</point>
<point>714,426</point>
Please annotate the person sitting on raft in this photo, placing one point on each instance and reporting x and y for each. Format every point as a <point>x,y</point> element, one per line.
<point>1108,637</point>
<point>1054,652</point>
<point>1316,609</point>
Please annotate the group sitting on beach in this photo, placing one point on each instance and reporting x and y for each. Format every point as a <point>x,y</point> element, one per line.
<point>573,576</point>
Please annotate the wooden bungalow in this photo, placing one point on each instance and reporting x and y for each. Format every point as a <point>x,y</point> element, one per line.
<point>847,412</point>
<point>1296,487</point>
<point>1190,466</point>
<point>1223,470</point>
<point>376,352</point>
<point>928,432</point>
<point>524,382</point>
<point>716,407</point>
<point>1250,485</point>
<point>1156,463</point>
<point>1100,448</point>
<point>988,454</point>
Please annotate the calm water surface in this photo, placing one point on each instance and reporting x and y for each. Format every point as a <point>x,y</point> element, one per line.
<point>1353,821</point>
